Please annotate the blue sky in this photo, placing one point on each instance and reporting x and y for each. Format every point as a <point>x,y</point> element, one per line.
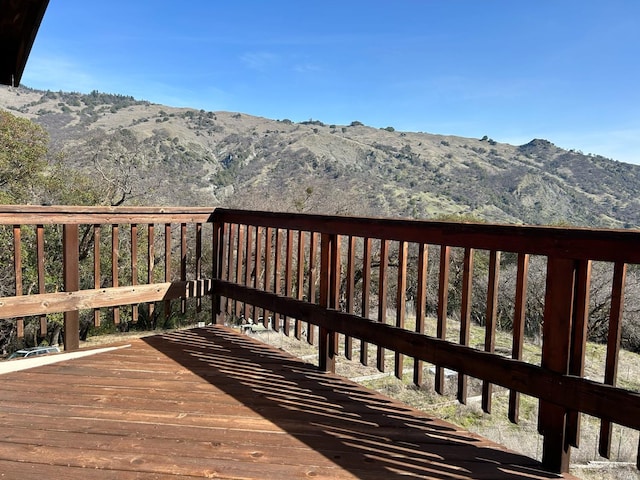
<point>564,70</point>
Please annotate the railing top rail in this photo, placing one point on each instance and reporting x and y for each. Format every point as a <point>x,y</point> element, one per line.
<point>63,214</point>
<point>564,242</point>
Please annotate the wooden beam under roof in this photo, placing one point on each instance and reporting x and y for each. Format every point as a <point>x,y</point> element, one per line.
<point>19,23</point>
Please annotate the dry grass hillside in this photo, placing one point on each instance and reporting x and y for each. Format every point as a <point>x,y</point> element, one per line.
<point>182,156</point>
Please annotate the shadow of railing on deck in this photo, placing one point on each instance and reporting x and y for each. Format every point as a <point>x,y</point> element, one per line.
<point>359,430</point>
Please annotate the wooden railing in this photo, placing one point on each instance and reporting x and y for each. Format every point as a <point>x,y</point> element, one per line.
<point>343,275</point>
<point>110,258</point>
<point>324,279</point>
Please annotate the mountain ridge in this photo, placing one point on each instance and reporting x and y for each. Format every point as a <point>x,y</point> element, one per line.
<point>182,156</point>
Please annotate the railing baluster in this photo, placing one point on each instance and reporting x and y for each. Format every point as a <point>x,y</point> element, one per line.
<point>257,262</point>
<point>336,267</point>
<point>613,347</point>
<point>518,328</point>
<point>134,267</point>
<point>198,267</point>
<point>401,296</point>
<point>268,270</point>
<point>97,275</point>
<point>167,266</point>
<point>240,248</point>
<point>229,307</point>
<point>183,264</point>
<point>350,280</point>
<point>217,269</point>
<point>17,270</point>
<point>300,280</point>
<point>366,291</point>
<point>465,316</point>
<point>334,286</point>
<point>151,263</point>
<point>41,273</point>
<point>277,274</point>
<point>115,256</point>
<point>288,274</point>
<point>382,298</point>
<point>490,322</point>
<point>579,341</point>
<point>421,306</point>
<point>248,255</point>
<point>443,297</point>
<point>313,277</point>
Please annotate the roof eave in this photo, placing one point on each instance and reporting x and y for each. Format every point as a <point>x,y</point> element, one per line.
<point>19,24</point>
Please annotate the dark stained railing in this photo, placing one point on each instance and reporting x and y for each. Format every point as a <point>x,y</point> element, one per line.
<point>328,279</point>
<point>341,274</point>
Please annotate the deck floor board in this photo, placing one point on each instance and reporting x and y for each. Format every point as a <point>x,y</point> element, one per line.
<point>211,403</point>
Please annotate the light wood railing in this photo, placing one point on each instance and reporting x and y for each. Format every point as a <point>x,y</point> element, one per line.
<point>110,258</point>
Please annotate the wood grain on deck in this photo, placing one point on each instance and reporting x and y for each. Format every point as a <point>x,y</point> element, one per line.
<point>211,403</point>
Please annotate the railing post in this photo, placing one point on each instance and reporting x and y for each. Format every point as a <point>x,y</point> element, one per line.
<point>327,340</point>
<point>556,354</point>
<point>71,277</point>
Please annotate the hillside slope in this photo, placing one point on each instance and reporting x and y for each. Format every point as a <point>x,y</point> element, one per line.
<point>179,156</point>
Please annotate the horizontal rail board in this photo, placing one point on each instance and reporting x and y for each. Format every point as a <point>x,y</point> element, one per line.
<point>50,215</point>
<point>574,393</point>
<point>574,243</point>
<point>46,303</point>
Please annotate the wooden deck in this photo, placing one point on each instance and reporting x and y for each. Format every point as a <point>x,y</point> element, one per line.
<point>211,403</point>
